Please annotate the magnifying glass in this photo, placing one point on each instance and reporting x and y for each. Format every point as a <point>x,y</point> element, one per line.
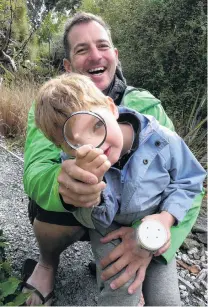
<point>84,127</point>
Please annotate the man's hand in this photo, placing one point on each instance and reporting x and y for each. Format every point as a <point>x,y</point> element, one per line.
<point>92,160</point>
<point>167,220</point>
<point>126,255</point>
<point>80,180</point>
<point>79,187</point>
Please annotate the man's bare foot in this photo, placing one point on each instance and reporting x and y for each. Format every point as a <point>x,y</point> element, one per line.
<point>42,279</point>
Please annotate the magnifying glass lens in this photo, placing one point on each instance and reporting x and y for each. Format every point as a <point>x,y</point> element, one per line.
<point>83,128</point>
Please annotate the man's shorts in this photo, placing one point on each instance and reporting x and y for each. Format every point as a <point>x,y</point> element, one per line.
<point>51,217</point>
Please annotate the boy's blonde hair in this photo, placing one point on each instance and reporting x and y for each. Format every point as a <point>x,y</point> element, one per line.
<point>58,98</point>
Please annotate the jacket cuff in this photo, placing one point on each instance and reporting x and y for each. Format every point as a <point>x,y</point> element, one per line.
<point>67,207</point>
<point>176,210</point>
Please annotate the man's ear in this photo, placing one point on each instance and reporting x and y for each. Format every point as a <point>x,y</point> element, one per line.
<point>67,65</point>
<point>116,53</point>
<point>113,107</point>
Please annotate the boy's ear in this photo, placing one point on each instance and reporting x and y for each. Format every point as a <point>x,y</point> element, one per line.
<point>67,65</point>
<point>113,107</point>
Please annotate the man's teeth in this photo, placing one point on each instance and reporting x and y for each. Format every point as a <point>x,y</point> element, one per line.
<point>97,70</point>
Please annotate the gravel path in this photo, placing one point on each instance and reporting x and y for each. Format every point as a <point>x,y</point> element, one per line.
<point>75,285</point>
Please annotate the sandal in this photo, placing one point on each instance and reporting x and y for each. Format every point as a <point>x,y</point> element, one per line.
<point>27,270</point>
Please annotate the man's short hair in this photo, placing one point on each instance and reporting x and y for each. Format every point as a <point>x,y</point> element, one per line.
<point>58,98</point>
<point>80,18</point>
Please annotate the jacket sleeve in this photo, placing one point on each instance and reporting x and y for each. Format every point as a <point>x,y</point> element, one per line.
<point>41,168</point>
<point>186,179</point>
<point>144,102</point>
<point>152,106</point>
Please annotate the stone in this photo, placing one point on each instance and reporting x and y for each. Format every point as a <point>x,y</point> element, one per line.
<point>193,250</point>
<point>200,225</point>
<point>190,243</point>
<point>183,294</point>
<point>202,237</point>
<point>204,283</point>
<point>186,259</point>
<point>185,283</point>
<point>203,259</point>
<point>202,275</point>
<point>182,287</point>
<point>196,256</point>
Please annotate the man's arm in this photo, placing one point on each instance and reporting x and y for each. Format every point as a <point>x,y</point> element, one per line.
<point>42,168</point>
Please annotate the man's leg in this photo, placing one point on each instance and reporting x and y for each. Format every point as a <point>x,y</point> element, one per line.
<point>160,287</point>
<point>52,239</point>
<point>109,297</point>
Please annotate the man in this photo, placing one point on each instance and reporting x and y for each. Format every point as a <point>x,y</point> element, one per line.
<point>59,188</point>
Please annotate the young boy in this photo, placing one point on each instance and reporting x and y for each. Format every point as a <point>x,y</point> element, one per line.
<point>153,174</point>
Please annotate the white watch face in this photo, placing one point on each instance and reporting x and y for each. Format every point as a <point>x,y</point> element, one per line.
<point>152,235</point>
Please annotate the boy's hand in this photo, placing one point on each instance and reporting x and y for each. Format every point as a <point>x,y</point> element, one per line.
<point>167,220</point>
<point>92,160</point>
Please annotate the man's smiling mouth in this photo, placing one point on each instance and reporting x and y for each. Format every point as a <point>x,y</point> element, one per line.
<point>97,71</point>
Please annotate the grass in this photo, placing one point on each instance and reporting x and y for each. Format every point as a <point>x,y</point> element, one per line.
<point>17,95</point>
<point>15,101</point>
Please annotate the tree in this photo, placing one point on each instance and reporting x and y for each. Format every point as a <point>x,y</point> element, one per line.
<point>162,45</point>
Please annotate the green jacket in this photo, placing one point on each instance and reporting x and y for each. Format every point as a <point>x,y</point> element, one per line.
<point>42,163</point>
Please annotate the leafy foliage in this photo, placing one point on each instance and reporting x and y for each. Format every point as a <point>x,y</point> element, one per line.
<point>10,294</point>
<point>162,45</point>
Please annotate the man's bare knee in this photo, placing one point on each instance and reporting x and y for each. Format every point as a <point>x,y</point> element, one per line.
<point>52,236</point>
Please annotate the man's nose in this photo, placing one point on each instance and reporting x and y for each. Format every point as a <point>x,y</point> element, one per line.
<point>95,54</point>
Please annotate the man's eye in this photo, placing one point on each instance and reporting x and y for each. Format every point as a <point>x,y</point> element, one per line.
<point>103,46</point>
<point>81,51</point>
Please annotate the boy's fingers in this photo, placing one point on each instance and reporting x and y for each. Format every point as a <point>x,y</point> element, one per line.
<point>98,161</point>
<point>163,249</point>
<point>82,151</point>
<point>93,154</point>
<point>100,172</point>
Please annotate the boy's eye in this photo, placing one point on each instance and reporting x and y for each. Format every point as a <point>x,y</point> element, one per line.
<point>98,125</point>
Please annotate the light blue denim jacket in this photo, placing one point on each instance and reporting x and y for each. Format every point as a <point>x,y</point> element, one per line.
<point>161,175</point>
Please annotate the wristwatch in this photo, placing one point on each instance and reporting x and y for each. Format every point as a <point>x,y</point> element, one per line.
<point>151,235</point>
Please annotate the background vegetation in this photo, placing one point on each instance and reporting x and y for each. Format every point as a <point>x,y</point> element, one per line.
<point>162,48</point>
<point>161,43</point>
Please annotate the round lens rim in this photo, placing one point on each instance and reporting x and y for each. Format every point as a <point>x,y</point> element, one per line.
<point>89,113</point>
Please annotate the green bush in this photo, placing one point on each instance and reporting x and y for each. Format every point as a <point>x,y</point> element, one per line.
<point>10,294</point>
<point>162,45</point>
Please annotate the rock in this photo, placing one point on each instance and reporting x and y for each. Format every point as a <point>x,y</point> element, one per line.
<point>203,259</point>
<point>204,283</point>
<point>202,275</point>
<point>190,243</point>
<point>202,237</point>
<point>200,225</point>
<point>186,259</point>
<point>182,287</point>
<point>196,256</point>
<point>193,250</point>
<point>186,283</point>
<point>183,294</point>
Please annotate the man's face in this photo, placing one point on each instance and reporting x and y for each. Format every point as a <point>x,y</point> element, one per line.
<point>92,53</point>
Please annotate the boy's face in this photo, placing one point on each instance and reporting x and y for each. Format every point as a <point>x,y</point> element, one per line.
<point>92,53</point>
<point>82,126</point>
<point>113,144</point>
